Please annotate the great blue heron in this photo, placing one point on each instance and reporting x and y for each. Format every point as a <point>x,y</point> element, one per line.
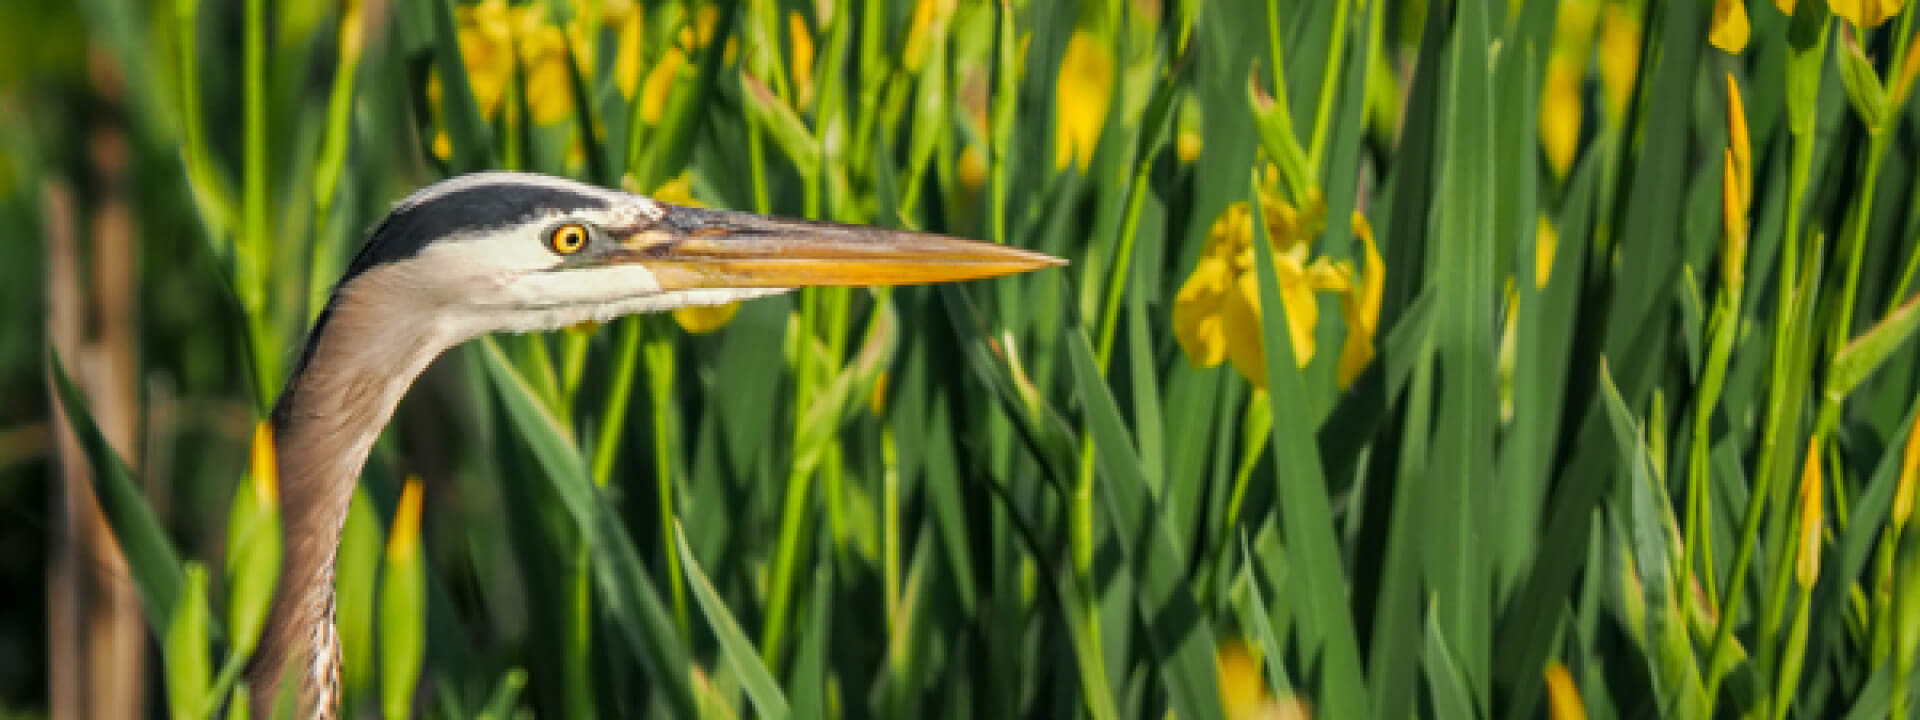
<point>518,252</point>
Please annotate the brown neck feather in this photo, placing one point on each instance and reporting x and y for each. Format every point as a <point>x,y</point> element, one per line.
<point>361,358</point>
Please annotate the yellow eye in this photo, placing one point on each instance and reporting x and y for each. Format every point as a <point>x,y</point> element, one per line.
<point>568,239</point>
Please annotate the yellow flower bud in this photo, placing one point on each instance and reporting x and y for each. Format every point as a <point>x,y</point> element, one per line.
<point>1546,242</point>
<point>1560,110</point>
<point>1733,247</point>
<point>403,613</point>
<point>802,66</point>
<point>1084,89</point>
<point>254,544</point>
<point>1730,29</point>
<point>1619,56</point>
<point>404,538</point>
<point>653,95</point>
<point>265,468</point>
<point>1739,141</point>
<point>1563,696</point>
<point>1812,518</point>
<point>1909,470</point>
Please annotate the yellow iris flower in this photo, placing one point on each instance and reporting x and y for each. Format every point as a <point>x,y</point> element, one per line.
<point>1216,315</point>
<point>699,319</point>
<point>1080,107</point>
<point>1866,13</point>
<point>1243,690</point>
<point>493,34</point>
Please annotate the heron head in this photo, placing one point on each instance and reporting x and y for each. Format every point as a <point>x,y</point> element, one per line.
<point>522,252</point>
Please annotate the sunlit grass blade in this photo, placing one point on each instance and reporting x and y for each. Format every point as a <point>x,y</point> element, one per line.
<point>628,594</point>
<point>1177,629</point>
<point>735,648</point>
<point>1312,545</point>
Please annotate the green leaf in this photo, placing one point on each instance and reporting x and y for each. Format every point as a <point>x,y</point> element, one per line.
<point>627,593</point>
<point>403,612</point>
<point>189,672</point>
<point>1863,87</point>
<point>1045,433</point>
<point>1855,362</point>
<point>253,559</point>
<point>735,648</point>
<point>1452,698</point>
<point>1178,632</point>
<point>472,146</point>
<point>505,695</point>
<point>1307,515</point>
<point>151,559</point>
<point>355,573</point>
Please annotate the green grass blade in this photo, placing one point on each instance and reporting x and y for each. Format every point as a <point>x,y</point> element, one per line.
<point>1178,632</point>
<point>1307,516</point>
<point>628,593</point>
<point>735,648</point>
<point>1452,698</point>
<point>1458,566</point>
<point>151,559</point>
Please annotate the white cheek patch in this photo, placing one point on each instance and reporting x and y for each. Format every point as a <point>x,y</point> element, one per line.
<point>609,283</point>
<point>553,317</point>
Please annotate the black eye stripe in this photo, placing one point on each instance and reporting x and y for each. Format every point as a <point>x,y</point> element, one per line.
<point>476,208</point>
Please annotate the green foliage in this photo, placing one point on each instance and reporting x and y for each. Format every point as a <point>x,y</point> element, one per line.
<point>1560,419</point>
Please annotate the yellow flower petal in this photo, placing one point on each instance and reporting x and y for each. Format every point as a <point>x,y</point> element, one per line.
<point>1085,87</point>
<point>1546,242</point>
<point>653,96</point>
<point>1245,345</point>
<point>1786,6</point>
<point>1187,146</point>
<point>1243,691</point>
<point>626,59</point>
<point>404,538</point>
<point>802,65</point>
<point>549,78</point>
<point>1733,248</point>
<point>1730,29</point>
<point>1812,521</point>
<point>973,168</point>
<point>265,469</point>
<point>1361,307</point>
<point>1563,697</point>
<point>486,46</point>
<point>1619,56</point>
<point>1739,142</point>
<point>1866,14</point>
<point>1909,474</point>
<point>1560,110</point>
<point>1903,80</point>
<point>1197,312</point>
<point>703,319</point>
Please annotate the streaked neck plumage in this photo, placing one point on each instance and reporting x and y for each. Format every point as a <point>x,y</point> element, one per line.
<point>359,362</point>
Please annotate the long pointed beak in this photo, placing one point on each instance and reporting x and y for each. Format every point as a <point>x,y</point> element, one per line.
<point>697,248</point>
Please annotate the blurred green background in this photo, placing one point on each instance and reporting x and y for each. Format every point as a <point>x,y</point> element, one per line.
<point>1601,404</point>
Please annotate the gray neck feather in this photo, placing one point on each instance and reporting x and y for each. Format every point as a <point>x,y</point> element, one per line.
<point>361,360</point>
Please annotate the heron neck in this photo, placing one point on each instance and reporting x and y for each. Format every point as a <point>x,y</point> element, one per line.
<point>359,362</point>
